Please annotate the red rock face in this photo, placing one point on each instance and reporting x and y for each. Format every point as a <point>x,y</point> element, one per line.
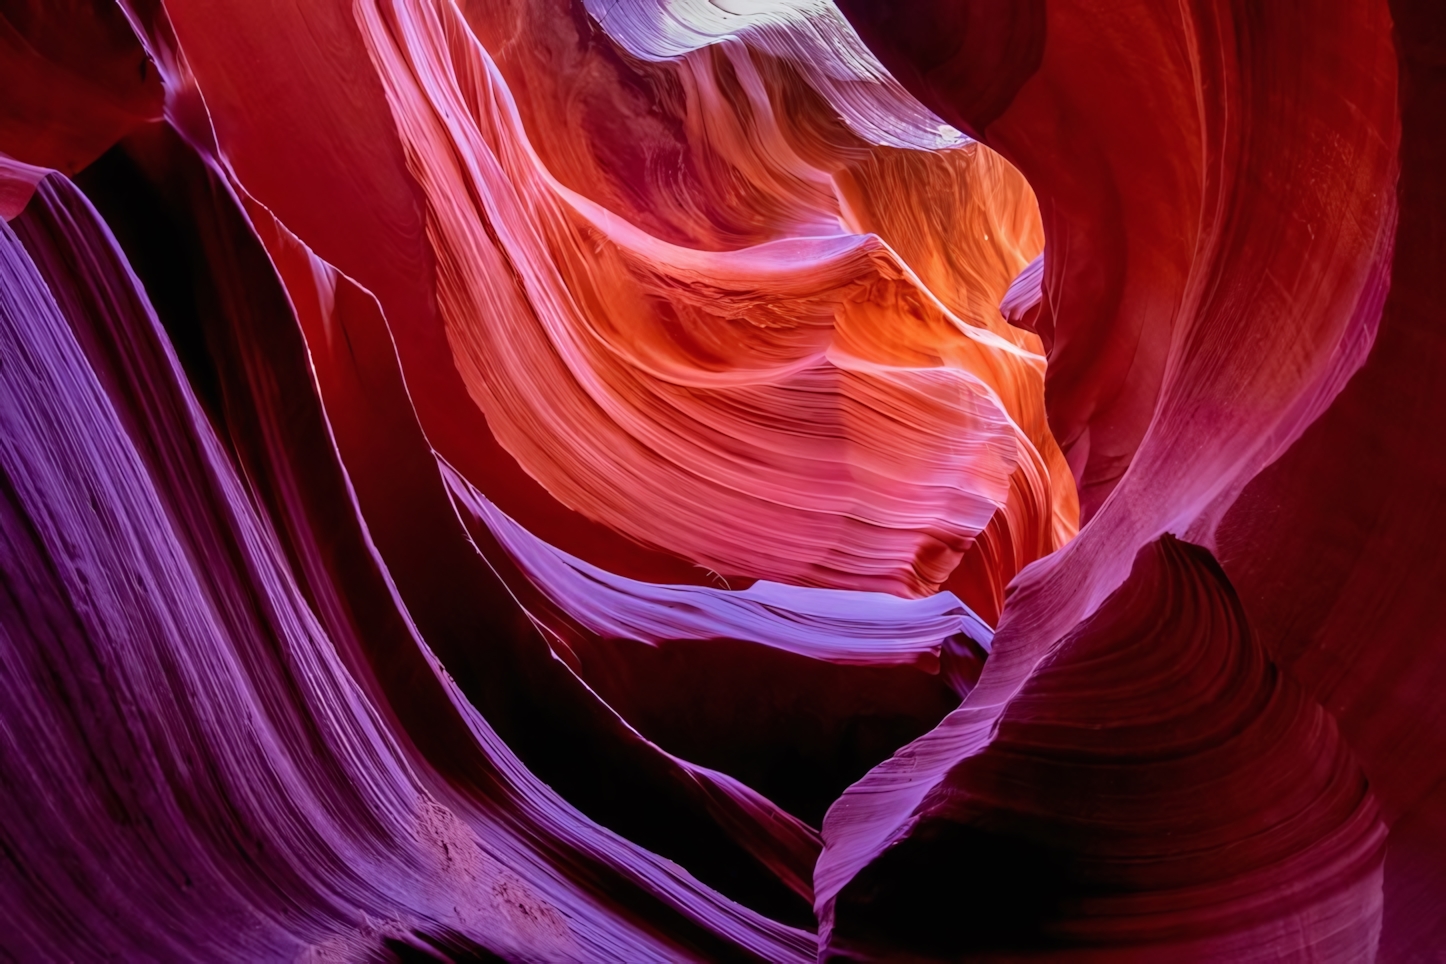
<point>1155,787</point>
<point>570,480</point>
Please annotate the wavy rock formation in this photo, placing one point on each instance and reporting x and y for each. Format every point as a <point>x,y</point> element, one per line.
<point>1155,787</point>
<point>208,708</point>
<point>1179,370</point>
<point>602,480</point>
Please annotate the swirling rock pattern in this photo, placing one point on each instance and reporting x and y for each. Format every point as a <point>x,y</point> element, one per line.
<point>1156,786</point>
<point>602,480</point>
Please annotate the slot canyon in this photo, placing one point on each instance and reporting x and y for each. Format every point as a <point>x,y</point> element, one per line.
<point>722,480</point>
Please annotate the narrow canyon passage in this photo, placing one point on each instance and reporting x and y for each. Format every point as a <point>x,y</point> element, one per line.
<point>622,480</point>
